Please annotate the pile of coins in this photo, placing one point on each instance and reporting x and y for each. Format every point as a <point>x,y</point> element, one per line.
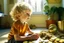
<point>44,35</point>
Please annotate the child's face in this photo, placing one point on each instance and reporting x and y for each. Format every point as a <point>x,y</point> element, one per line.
<point>25,15</point>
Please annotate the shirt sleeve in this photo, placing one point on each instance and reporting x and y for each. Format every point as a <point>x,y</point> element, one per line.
<point>14,29</point>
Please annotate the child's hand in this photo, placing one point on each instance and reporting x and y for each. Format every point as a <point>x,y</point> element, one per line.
<point>35,36</point>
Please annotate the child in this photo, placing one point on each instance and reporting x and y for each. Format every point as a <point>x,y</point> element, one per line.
<point>20,14</point>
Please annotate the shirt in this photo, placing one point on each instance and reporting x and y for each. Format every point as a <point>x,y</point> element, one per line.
<point>18,28</point>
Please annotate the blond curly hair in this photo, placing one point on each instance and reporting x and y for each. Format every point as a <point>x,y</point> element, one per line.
<point>18,8</point>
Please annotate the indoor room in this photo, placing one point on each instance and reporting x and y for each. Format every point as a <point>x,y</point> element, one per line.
<point>46,19</point>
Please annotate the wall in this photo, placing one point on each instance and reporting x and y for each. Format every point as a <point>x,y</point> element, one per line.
<point>56,3</point>
<point>2,5</point>
<point>10,5</point>
<point>39,20</point>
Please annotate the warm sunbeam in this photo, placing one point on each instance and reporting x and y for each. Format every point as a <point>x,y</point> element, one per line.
<point>3,38</point>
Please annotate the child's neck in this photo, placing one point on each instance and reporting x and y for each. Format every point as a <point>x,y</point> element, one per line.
<point>20,22</point>
<point>23,22</point>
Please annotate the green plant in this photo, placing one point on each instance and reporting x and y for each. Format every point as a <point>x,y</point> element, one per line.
<point>52,13</point>
<point>60,12</point>
<point>46,9</point>
<point>52,10</point>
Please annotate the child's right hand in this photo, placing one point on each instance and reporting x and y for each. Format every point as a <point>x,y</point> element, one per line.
<point>35,36</point>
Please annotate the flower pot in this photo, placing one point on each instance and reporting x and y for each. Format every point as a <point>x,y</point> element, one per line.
<point>48,22</point>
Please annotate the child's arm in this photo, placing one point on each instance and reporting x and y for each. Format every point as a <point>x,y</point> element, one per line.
<point>29,31</point>
<point>24,38</point>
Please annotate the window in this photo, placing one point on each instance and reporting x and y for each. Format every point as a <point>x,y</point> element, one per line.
<point>62,3</point>
<point>37,5</point>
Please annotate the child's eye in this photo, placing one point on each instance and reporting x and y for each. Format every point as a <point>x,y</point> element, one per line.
<point>27,14</point>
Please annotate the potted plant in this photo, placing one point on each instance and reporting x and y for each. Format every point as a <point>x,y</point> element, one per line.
<point>52,16</point>
<point>52,13</point>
